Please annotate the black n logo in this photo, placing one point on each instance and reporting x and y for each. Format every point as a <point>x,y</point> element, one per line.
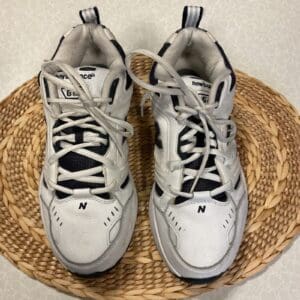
<point>82,205</point>
<point>201,208</point>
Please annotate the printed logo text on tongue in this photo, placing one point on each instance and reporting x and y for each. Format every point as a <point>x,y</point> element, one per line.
<point>71,94</point>
<point>200,86</point>
<point>93,76</point>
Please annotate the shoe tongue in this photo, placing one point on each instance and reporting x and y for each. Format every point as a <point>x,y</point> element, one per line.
<point>200,86</point>
<point>93,76</point>
<point>203,89</point>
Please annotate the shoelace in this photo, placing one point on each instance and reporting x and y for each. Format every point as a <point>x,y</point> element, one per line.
<point>86,110</point>
<point>207,121</point>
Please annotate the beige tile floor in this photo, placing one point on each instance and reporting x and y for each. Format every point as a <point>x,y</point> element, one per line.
<point>260,37</point>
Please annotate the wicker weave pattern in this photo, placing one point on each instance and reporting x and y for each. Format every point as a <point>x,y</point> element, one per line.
<point>269,147</point>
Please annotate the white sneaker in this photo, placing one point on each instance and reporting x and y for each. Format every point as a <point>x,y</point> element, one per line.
<point>87,195</point>
<point>198,205</point>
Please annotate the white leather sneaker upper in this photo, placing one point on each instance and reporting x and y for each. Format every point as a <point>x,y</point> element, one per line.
<point>199,184</point>
<point>86,183</point>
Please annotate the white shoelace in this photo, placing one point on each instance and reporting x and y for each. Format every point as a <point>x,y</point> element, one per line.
<point>86,110</point>
<point>207,120</point>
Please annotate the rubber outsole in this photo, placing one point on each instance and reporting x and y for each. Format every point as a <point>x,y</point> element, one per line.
<point>95,274</point>
<point>202,280</point>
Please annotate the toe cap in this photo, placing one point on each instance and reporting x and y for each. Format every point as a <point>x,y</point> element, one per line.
<point>82,230</point>
<point>204,232</point>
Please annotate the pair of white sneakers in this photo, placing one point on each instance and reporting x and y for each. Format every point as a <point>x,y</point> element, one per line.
<point>198,204</point>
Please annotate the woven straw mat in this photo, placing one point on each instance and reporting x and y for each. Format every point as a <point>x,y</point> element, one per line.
<point>269,146</point>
